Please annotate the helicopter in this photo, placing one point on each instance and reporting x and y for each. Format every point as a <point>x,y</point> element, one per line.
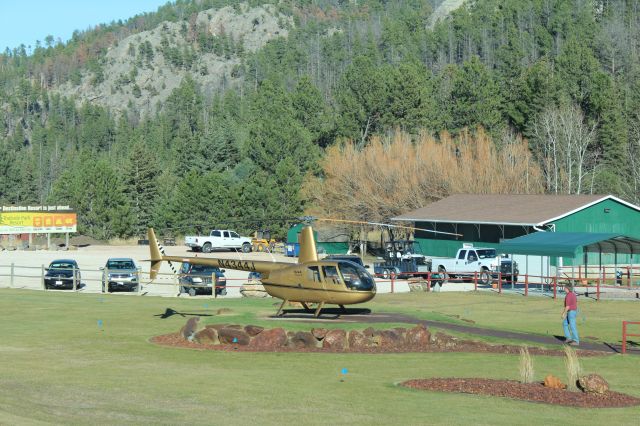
<point>311,280</point>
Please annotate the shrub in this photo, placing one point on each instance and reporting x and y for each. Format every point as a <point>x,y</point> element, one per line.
<point>526,366</point>
<point>572,365</point>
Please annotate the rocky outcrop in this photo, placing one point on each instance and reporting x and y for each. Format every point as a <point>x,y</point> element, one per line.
<point>593,383</point>
<point>270,339</point>
<point>335,339</point>
<point>234,336</point>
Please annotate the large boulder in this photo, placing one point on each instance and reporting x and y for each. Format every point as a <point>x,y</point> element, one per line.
<point>418,336</point>
<point>189,329</point>
<point>207,335</point>
<point>303,339</point>
<point>233,336</point>
<point>553,382</point>
<point>253,290</point>
<point>358,341</point>
<point>270,339</point>
<point>253,330</point>
<point>335,339</point>
<point>593,383</point>
<point>319,333</point>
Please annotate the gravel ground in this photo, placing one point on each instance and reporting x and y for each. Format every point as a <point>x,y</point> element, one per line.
<point>29,265</point>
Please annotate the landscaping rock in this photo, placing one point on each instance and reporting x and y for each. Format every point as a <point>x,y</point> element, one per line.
<point>443,341</point>
<point>593,383</point>
<point>228,334</point>
<point>207,335</point>
<point>335,339</point>
<point>268,339</point>
<point>369,332</point>
<point>217,327</point>
<point>390,338</point>
<point>303,339</point>
<point>553,382</point>
<point>357,340</point>
<point>223,311</point>
<point>253,330</point>
<point>418,336</point>
<point>319,333</point>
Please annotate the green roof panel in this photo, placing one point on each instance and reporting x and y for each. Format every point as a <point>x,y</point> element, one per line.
<point>569,244</point>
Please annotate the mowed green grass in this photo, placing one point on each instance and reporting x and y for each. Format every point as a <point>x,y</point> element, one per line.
<point>58,366</point>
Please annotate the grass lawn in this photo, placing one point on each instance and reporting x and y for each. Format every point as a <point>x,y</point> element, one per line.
<point>59,366</point>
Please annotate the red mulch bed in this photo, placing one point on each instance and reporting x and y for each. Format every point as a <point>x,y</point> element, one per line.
<point>176,340</point>
<point>533,392</point>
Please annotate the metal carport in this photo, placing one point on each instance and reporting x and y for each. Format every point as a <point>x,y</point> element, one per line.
<point>570,244</point>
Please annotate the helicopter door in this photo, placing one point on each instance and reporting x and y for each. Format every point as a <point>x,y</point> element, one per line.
<point>331,276</point>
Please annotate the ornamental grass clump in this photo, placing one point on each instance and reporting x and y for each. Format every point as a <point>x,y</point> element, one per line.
<point>526,366</point>
<point>572,365</point>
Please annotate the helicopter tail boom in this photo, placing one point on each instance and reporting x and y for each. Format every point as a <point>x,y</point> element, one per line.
<point>156,255</point>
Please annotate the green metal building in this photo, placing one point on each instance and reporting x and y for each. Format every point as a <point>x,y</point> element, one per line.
<point>486,220</point>
<point>329,241</point>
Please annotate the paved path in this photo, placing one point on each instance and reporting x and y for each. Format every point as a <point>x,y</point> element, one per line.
<point>331,315</point>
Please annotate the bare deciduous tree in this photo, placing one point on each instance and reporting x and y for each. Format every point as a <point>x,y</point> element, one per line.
<point>563,138</point>
<point>394,175</point>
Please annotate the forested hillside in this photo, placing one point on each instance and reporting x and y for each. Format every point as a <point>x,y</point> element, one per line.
<point>209,110</point>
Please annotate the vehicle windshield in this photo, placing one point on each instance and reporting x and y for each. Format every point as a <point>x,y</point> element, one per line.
<point>203,269</point>
<point>121,264</point>
<point>356,277</point>
<point>486,253</point>
<point>61,265</point>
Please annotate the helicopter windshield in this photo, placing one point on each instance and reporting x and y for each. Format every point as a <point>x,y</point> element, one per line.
<point>356,277</point>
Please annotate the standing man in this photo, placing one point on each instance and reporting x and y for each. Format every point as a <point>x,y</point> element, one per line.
<point>569,316</point>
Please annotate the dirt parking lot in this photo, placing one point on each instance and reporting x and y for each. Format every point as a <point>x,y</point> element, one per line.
<point>28,267</point>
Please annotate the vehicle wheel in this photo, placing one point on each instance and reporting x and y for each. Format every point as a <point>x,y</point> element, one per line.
<point>223,292</point>
<point>206,248</point>
<point>485,277</point>
<point>246,248</point>
<point>385,274</point>
<point>46,287</point>
<point>442,272</point>
<point>192,291</point>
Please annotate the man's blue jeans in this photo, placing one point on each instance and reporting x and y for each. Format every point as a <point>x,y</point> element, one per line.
<point>569,325</point>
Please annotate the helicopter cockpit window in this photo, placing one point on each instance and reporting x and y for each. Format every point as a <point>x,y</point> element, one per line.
<point>313,274</point>
<point>331,274</point>
<point>355,277</point>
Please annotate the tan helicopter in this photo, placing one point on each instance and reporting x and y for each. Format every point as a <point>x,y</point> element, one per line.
<point>337,282</point>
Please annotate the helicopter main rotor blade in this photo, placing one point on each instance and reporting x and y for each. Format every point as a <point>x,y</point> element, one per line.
<point>388,225</point>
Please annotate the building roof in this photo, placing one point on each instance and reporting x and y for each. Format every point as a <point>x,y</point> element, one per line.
<point>569,244</point>
<point>500,209</point>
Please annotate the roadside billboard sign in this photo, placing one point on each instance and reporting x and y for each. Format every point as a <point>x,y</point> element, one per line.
<point>37,219</point>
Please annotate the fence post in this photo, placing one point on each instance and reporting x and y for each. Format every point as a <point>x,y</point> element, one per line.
<point>75,286</point>
<point>526,284</point>
<point>214,280</point>
<point>624,337</point>
<point>555,287</point>
<point>598,290</point>
<point>475,280</point>
<point>499,282</point>
<point>428,281</point>
<point>12,272</point>
<point>44,287</point>
<point>393,278</point>
<point>138,275</point>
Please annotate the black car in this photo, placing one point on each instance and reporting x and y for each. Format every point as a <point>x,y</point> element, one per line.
<point>349,257</point>
<point>61,273</point>
<point>197,279</point>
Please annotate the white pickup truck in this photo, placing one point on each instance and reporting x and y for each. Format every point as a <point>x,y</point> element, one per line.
<point>218,239</point>
<point>483,262</point>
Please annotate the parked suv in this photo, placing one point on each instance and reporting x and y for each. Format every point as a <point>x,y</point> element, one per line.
<point>197,279</point>
<point>120,273</point>
<point>60,274</point>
